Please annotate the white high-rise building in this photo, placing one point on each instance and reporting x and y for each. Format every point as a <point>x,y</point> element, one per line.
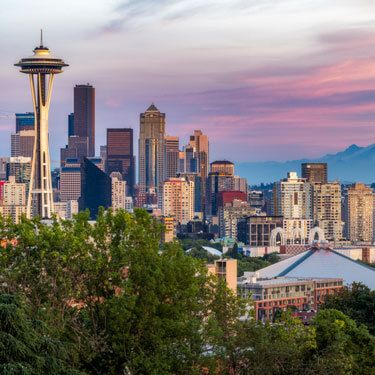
<point>327,209</point>
<point>178,199</point>
<point>293,198</point>
<point>118,191</point>
<point>14,199</point>
<point>359,211</point>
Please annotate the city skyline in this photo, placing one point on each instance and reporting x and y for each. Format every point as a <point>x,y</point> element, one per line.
<point>292,80</point>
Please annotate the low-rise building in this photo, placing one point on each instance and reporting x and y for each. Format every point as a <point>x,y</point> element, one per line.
<point>278,294</point>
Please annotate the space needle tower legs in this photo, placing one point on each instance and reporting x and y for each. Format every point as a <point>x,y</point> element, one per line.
<point>41,68</point>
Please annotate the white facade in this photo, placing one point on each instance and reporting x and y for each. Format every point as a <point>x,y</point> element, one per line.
<point>293,198</point>
<point>118,191</point>
<point>14,199</point>
<point>14,193</point>
<point>327,210</point>
<point>60,210</point>
<point>71,209</point>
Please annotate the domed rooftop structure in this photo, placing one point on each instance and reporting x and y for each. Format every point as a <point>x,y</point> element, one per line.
<point>321,262</point>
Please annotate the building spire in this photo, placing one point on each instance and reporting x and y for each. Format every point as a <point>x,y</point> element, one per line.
<point>41,37</point>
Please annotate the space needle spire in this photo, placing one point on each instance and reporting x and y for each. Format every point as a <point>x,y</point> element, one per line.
<point>41,68</point>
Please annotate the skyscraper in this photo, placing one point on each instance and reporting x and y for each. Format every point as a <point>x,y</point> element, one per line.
<point>14,199</point>
<point>118,191</point>
<point>216,182</point>
<point>222,166</point>
<point>96,188</point>
<point>70,124</point>
<point>171,156</point>
<point>22,143</point>
<point>358,212</point>
<point>84,114</point>
<point>20,168</point>
<point>70,180</point>
<point>120,155</point>
<point>41,69</point>
<point>314,172</point>
<point>25,121</point>
<point>151,149</point>
<point>327,209</point>
<point>178,199</point>
<point>293,198</point>
<point>199,142</point>
<point>77,148</point>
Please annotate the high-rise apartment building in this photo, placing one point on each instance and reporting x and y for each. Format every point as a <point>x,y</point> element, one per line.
<point>96,188</point>
<point>194,177</point>
<point>25,121</point>
<point>120,155</point>
<point>178,199</point>
<point>315,172</point>
<point>22,143</point>
<point>20,168</point>
<point>172,150</point>
<point>327,209</point>
<point>118,191</point>
<point>151,149</point>
<point>293,198</point>
<point>13,199</point>
<point>229,216</point>
<point>84,114</point>
<point>358,212</point>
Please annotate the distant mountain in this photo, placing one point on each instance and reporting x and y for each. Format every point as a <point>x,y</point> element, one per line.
<point>353,164</point>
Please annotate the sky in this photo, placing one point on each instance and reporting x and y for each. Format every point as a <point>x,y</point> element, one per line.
<point>265,79</point>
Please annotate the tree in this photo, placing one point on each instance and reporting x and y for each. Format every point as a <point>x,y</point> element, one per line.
<point>223,331</point>
<point>26,346</point>
<point>356,301</point>
<point>342,346</point>
<point>281,348</point>
<point>201,253</point>
<point>107,288</point>
<point>107,297</point>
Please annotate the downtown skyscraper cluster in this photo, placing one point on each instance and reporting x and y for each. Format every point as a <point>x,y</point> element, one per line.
<point>178,184</point>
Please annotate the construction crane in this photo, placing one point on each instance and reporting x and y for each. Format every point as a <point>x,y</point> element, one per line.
<point>7,115</point>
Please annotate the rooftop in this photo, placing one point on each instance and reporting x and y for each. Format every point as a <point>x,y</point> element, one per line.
<point>321,263</point>
<point>152,108</point>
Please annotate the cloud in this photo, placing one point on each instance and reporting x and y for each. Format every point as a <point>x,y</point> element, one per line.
<point>130,12</point>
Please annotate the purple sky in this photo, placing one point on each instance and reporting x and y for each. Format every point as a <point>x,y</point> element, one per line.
<point>265,79</point>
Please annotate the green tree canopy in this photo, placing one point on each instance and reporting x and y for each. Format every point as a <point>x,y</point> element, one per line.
<point>26,346</point>
<point>357,301</point>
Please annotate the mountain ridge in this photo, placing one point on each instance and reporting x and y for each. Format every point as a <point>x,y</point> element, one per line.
<point>355,163</point>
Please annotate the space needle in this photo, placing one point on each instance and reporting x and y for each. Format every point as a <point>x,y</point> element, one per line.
<point>41,68</point>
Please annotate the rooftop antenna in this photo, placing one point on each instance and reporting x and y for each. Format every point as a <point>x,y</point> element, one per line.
<point>41,37</point>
